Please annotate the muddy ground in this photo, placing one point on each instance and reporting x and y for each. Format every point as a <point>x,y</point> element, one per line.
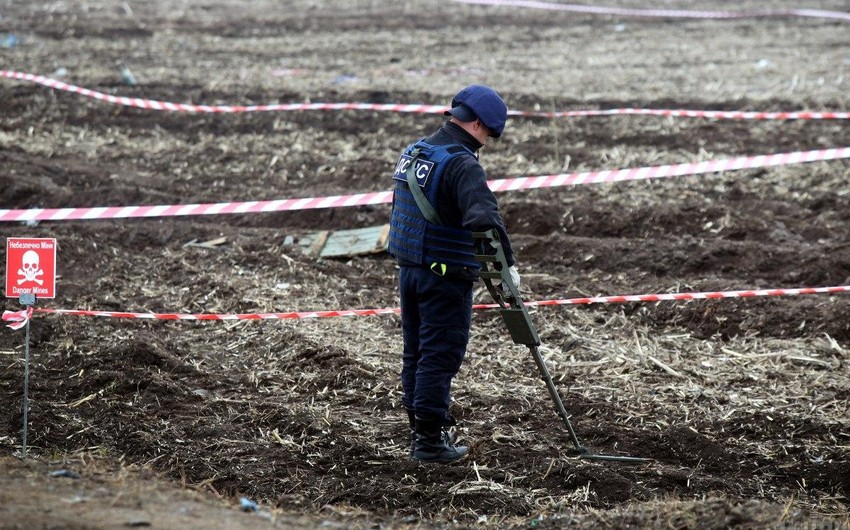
<point>741,404</point>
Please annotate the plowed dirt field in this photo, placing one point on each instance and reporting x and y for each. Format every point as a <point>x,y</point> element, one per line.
<point>740,403</point>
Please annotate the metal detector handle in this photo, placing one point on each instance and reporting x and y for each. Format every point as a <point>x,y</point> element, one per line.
<point>494,266</point>
<point>492,261</point>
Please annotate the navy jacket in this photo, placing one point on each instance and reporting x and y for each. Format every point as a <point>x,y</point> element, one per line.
<point>463,198</point>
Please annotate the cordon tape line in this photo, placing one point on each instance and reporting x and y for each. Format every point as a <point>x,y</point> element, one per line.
<point>19,318</point>
<point>383,197</point>
<point>664,13</point>
<point>686,113</point>
<point>150,104</point>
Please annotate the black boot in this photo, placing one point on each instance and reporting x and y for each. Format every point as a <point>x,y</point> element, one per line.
<point>411,418</point>
<point>432,443</point>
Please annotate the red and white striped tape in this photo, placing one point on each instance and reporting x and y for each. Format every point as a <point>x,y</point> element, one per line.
<point>18,319</point>
<point>685,113</point>
<point>394,311</point>
<point>150,104</point>
<point>712,295</point>
<point>675,170</point>
<point>226,316</point>
<point>383,197</point>
<point>663,13</point>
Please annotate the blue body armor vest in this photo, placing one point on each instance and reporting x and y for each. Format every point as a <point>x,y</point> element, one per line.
<point>412,237</point>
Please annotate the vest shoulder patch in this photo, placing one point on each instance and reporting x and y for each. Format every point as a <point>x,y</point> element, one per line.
<point>422,170</point>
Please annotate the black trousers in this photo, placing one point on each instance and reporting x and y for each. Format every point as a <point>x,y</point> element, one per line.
<point>436,313</point>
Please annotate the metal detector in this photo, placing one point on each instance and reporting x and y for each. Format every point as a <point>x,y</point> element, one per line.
<point>494,267</point>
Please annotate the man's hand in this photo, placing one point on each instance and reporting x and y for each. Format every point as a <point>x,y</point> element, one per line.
<point>514,275</point>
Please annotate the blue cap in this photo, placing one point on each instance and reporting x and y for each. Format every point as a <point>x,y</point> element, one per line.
<point>479,102</point>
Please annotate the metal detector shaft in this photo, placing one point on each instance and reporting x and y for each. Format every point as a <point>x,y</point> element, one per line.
<point>553,392</point>
<point>494,266</point>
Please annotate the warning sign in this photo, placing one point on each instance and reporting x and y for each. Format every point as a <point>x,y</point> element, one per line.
<point>30,267</point>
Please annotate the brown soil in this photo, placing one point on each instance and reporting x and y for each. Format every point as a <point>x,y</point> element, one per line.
<point>741,404</point>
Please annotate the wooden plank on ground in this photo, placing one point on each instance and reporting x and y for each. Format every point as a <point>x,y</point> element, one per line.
<point>344,243</point>
<point>359,241</point>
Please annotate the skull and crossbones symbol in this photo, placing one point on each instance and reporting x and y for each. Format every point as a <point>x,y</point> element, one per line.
<point>30,270</point>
